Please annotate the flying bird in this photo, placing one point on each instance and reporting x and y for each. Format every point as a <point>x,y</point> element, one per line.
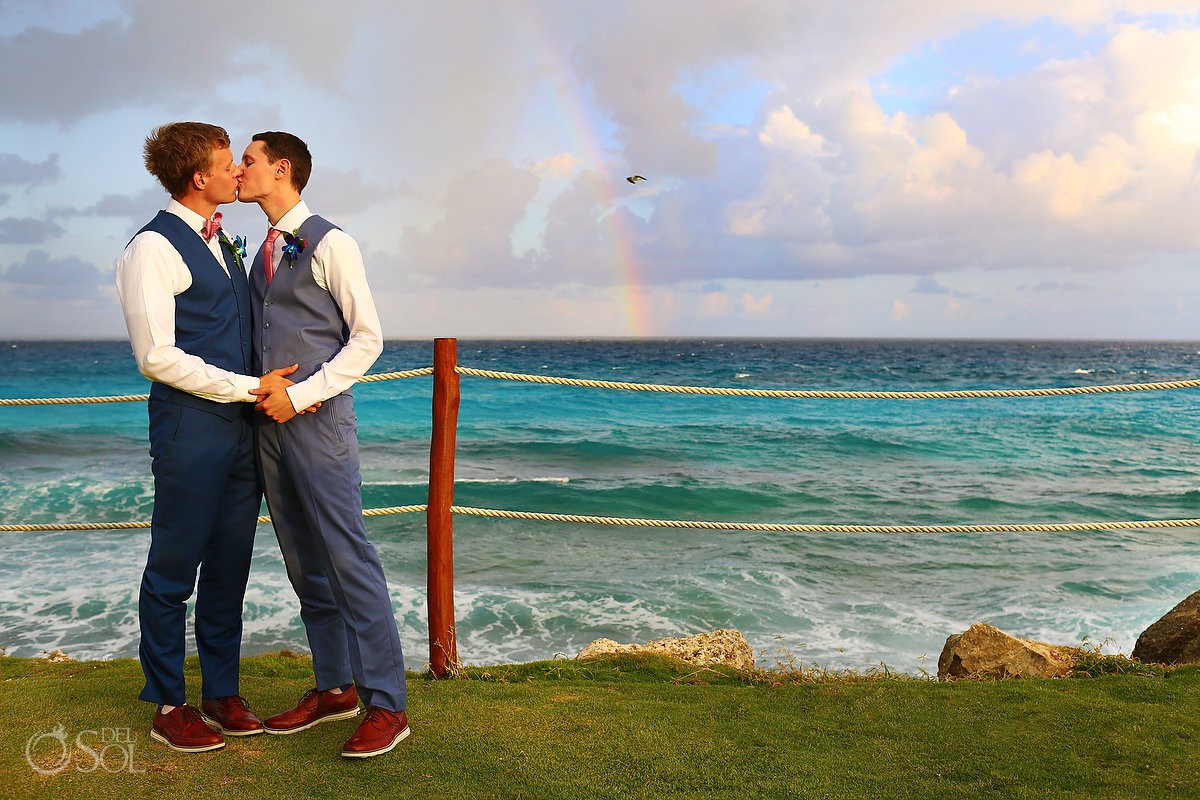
<point>635,178</point>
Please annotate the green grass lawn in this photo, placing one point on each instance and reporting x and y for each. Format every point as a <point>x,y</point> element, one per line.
<point>631,727</point>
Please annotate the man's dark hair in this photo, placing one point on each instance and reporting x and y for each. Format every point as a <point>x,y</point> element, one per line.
<point>278,145</point>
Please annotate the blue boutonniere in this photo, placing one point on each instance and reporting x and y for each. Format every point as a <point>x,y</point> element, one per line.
<point>294,245</point>
<point>237,246</point>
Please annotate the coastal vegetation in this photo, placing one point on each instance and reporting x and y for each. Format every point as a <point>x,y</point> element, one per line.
<point>630,727</point>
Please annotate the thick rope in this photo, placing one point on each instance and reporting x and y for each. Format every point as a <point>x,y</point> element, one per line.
<point>829,394</point>
<point>133,398</point>
<point>800,528</point>
<point>704,390</point>
<point>379,512</point>
<point>391,376</point>
<point>124,526</point>
<point>62,401</point>
<point>693,524</point>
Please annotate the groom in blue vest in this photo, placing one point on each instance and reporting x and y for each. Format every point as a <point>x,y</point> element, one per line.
<point>186,303</point>
<point>312,306</point>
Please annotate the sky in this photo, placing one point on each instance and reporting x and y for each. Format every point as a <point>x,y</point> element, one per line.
<point>977,169</point>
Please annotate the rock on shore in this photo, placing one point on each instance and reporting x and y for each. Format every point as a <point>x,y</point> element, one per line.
<point>987,652</point>
<point>1174,639</point>
<point>719,647</point>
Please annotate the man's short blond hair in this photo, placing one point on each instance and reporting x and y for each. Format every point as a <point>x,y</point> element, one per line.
<point>178,150</point>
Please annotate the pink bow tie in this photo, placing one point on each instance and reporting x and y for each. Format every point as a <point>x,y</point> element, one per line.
<point>211,226</point>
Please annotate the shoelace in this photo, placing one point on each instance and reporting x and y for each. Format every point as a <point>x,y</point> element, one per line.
<point>378,716</point>
<point>192,716</point>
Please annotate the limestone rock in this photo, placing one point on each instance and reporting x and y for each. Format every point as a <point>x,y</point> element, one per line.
<point>1174,639</point>
<point>987,652</point>
<point>719,647</point>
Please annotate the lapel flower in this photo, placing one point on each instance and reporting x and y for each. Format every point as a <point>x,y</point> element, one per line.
<point>294,245</point>
<point>236,245</point>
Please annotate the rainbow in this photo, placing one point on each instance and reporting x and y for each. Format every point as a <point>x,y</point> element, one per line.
<point>583,132</point>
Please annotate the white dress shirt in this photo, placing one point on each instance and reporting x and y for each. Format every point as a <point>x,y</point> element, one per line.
<point>150,273</point>
<point>337,267</point>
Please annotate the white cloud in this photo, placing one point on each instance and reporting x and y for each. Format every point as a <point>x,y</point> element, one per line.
<point>472,244</point>
<point>476,145</point>
<point>17,171</point>
<point>26,230</point>
<point>920,194</point>
<point>756,306</point>
<point>559,165</point>
<point>714,304</point>
<point>41,276</point>
<point>929,285</point>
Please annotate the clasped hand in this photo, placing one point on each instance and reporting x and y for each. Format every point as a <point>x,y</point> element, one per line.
<point>273,399</point>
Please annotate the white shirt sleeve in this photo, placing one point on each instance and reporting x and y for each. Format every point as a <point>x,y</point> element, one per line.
<point>150,273</point>
<point>337,265</point>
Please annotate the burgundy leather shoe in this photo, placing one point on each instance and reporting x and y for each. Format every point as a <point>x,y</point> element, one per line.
<point>231,716</point>
<point>377,734</point>
<point>184,730</point>
<point>314,707</point>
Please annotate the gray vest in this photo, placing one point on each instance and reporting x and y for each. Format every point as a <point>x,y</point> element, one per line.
<point>295,320</point>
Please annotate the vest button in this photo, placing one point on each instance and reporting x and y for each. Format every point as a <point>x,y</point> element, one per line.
<point>265,348</point>
<point>266,324</point>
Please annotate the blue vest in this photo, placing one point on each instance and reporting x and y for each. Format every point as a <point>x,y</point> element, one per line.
<point>295,320</point>
<point>211,321</point>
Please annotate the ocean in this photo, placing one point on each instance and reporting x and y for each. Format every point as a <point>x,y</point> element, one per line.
<point>529,590</point>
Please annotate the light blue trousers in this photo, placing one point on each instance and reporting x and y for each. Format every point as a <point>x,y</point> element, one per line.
<point>310,475</point>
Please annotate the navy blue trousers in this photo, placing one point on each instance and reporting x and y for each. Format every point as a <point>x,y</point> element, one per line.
<point>206,504</point>
<point>310,474</point>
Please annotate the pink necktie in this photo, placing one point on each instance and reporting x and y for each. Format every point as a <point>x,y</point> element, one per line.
<point>211,226</point>
<point>269,254</point>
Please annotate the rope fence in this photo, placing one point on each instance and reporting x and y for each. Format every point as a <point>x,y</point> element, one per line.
<point>805,528</point>
<point>698,390</point>
<point>831,394</point>
<point>125,526</point>
<point>764,527</point>
<point>66,401</point>
<point>815,394</point>
<point>134,398</point>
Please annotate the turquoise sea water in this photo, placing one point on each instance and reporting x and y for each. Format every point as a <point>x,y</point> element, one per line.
<point>531,590</point>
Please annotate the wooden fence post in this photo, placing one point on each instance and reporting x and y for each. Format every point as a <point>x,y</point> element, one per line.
<point>443,648</point>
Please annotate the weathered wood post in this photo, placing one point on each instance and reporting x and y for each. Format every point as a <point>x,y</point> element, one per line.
<point>443,649</point>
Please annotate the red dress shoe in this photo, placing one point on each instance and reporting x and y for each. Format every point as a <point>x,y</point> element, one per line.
<point>231,716</point>
<point>377,734</point>
<point>183,729</point>
<point>315,707</point>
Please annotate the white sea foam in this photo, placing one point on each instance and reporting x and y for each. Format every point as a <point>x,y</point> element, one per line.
<point>45,606</point>
<point>501,626</point>
<point>826,617</point>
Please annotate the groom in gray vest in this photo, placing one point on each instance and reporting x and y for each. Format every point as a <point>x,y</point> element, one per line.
<point>312,306</point>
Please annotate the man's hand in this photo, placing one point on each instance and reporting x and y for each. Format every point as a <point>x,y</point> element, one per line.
<point>273,399</point>
<point>274,380</point>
